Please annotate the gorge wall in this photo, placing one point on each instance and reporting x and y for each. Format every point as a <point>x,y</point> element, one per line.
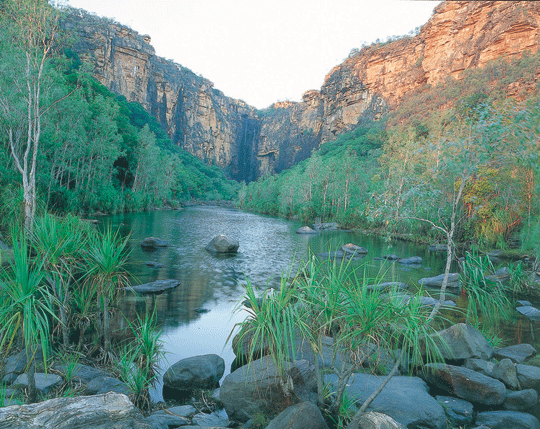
<point>249,143</point>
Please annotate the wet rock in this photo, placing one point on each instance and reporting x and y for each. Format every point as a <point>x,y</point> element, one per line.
<point>521,400</point>
<point>518,353</point>
<point>223,245</point>
<point>326,226</point>
<point>413,260</point>
<point>465,383</point>
<point>388,285</point>
<point>153,243</point>
<point>480,365</point>
<point>196,372</point>
<point>107,411</point>
<point>353,249</point>
<point>305,415</point>
<point>437,247</point>
<point>158,286</point>
<point>405,399</point>
<point>505,371</point>
<point>453,285</point>
<point>458,411</point>
<point>306,230</point>
<point>528,376</point>
<point>101,385</point>
<point>532,313</point>
<point>391,257</point>
<point>44,382</point>
<point>507,420</point>
<point>462,341</point>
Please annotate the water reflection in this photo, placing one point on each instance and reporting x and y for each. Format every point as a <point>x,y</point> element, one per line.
<point>268,247</point>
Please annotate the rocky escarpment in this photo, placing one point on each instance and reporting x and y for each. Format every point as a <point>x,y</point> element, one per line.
<point>228,132</point>
<point>217,129</point>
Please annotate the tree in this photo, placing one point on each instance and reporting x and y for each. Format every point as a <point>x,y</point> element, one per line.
<point>30,29</point>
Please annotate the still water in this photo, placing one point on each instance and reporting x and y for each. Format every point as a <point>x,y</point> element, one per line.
<point>197,317</point>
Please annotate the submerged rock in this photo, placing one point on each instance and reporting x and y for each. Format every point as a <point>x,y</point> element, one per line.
<point>413,260</point>
<point>351,248</point>
<point>158,286</point>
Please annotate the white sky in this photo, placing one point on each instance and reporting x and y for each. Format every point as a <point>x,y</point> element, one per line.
<point>262,51</point>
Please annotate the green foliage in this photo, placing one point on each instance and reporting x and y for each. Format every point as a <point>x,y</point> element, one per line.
<point>487,303</point>
<point>139,358</point>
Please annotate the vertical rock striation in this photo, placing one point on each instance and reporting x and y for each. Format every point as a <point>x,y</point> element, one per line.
<point>246,143</point>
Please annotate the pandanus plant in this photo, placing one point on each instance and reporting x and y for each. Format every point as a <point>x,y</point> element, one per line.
<point>106,259</point>
<point>26,308</point>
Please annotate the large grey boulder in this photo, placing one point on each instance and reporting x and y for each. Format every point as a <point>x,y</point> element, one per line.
<point>521,400</point>
<point>353,249</point>
<point>480,365</point>
<point>465,383</point>
<point>530,312</point>
<point>528,376</point>
<point>107,411</point>
<point>458,411</point>
<point>374,420</point>
<point>258,388</point>
<point>412,260</point>
<point>105,384</point>
<point>462,341</point>
<point>305,415</point>
<point>505,371</point>
<point>405,399</point>
<point>209,420</point>
<point>507,420</point>
<point>196,372</point>
<point>153,243</point>
<point>44,382</point>
<point>223,245</point>
<point>518,353</point>
<point>155,287</point>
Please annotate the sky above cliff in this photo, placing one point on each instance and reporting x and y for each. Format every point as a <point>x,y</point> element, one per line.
<point>257,50</point>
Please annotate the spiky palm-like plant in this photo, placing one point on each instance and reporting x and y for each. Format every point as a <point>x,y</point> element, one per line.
<point>26,307</point>
<point>106,259</point>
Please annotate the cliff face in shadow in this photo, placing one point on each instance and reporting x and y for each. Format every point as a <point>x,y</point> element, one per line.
<point>247,143</point>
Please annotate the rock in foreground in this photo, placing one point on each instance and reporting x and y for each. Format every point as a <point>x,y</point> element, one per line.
<point>197,372</point>
<point>107,411</point>
<point>305,415</point>
<point>223,245</point>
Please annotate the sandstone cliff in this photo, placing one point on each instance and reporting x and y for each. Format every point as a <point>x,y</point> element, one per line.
<point>229,133</point>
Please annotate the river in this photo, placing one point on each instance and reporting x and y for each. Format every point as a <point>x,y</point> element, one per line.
<point>197,317</point>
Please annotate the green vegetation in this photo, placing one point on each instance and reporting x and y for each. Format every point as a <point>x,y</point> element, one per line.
<point>403,173</point>
<point>71,145</point>
<point>337,300</point>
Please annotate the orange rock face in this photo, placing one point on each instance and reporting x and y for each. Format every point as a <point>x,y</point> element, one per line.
<point>459,35</point>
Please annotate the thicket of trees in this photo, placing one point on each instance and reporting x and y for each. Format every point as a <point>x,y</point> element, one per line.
<point>404,172</point>
<point>69,143</point>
